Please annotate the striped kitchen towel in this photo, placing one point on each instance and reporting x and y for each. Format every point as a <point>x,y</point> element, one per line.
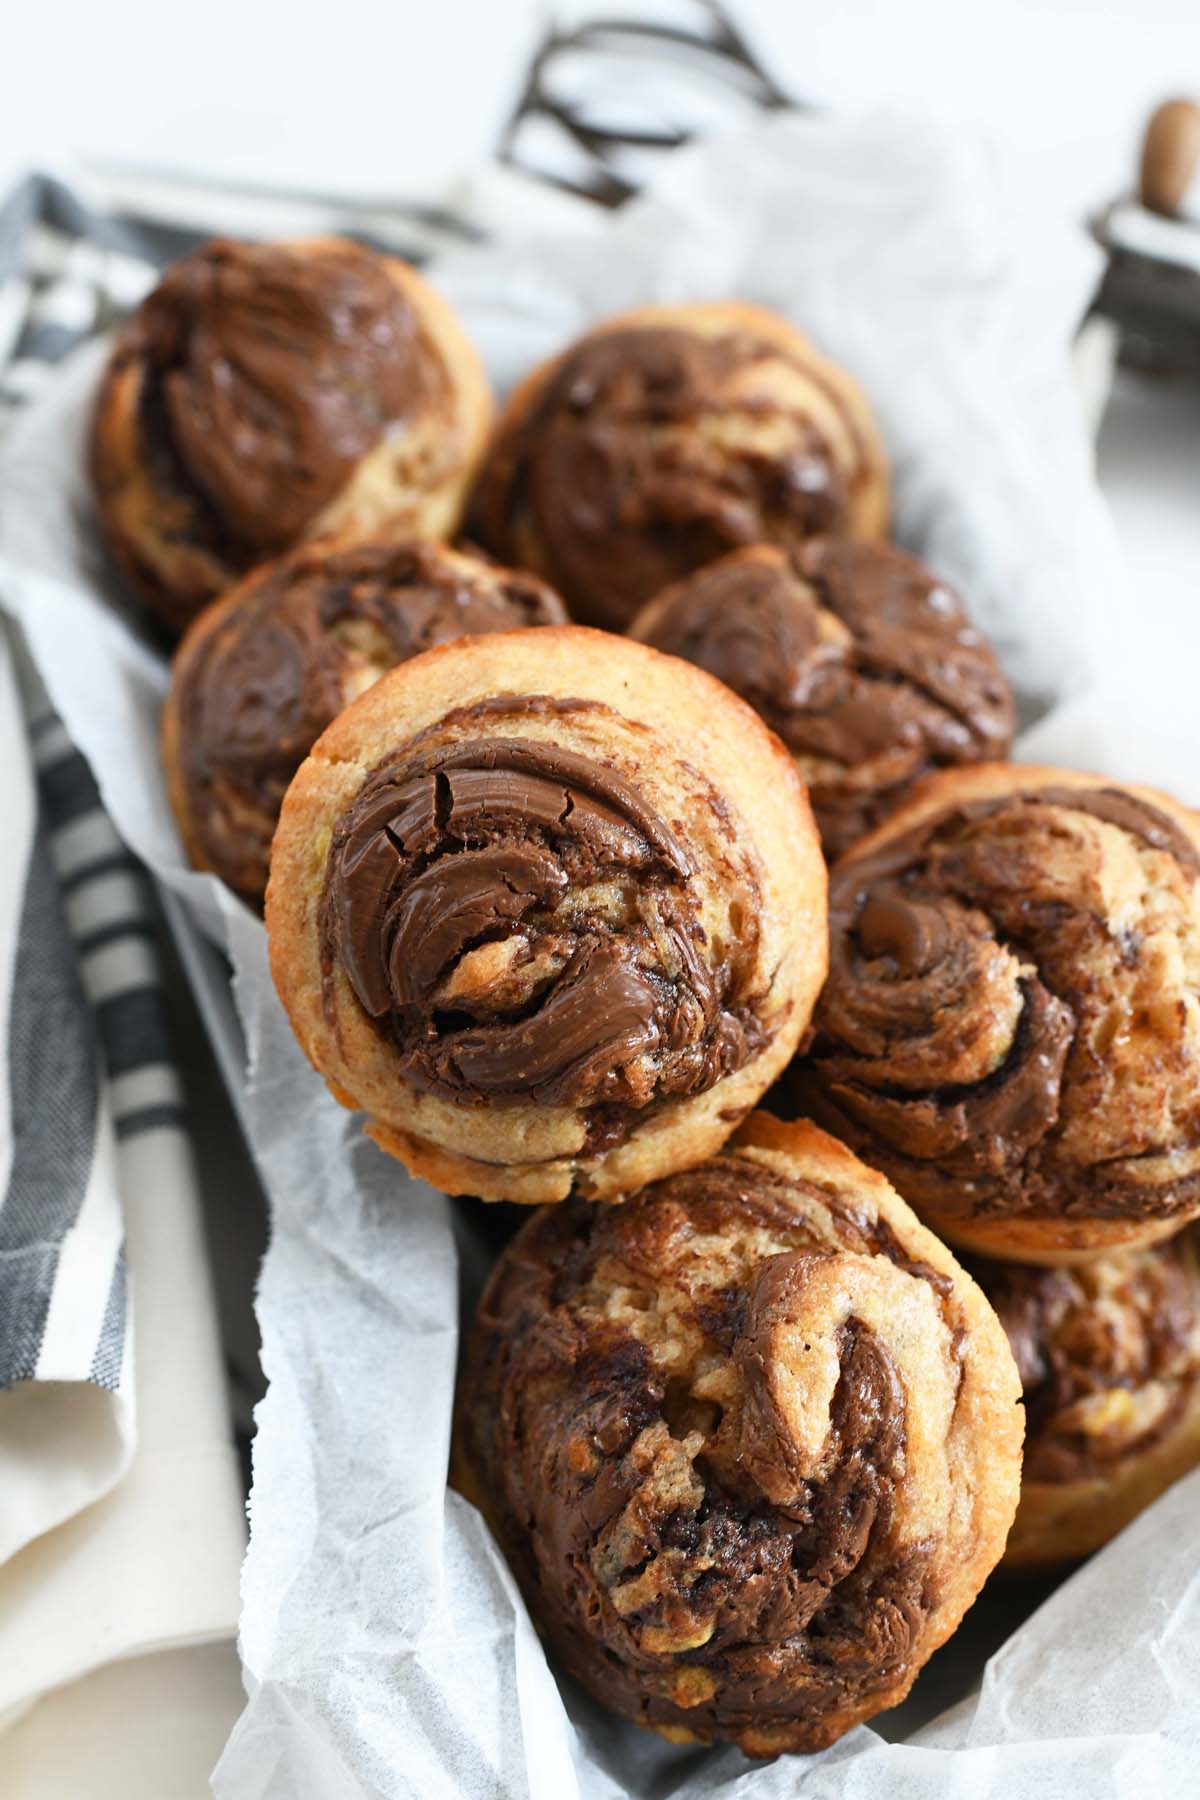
<point>121,1502</point>
<point>70,897</point>
<point>85,1067</point>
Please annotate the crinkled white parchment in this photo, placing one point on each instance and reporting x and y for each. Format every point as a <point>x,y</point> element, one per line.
<point>387,1652</point>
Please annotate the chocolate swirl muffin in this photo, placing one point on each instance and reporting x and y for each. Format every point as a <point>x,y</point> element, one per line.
<point>859,658</point>
<point>1011,1026</point>
<point>260,674</point>
<point>750,1442</point>
<point>667,437</point>
<point>1109,1359</point>
<point>267,393</point>
<point>550,907</point>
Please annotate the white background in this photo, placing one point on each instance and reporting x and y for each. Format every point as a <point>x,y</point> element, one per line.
<point>387,96</point>
<point>380,94</point>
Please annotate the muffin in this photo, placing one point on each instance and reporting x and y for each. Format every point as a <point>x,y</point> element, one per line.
<point>550,908</point>
<point>751,1442</point>
<point>264,394</point>
<point>1011,1026</point>
<point>859,658</point>
<point>668,436</point>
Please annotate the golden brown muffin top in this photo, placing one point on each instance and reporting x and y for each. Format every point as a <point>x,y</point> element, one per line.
<point>520,920</point>
<point>725,1432</point>
<point>862,661</point>
<point>268,371</point>
<point>652,449</point>
<point>1011,1023</point>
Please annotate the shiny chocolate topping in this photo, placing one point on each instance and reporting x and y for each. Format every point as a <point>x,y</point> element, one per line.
<point>269,370</point>
<point>523,923</point>
<point>862,662</point>
<point>1000,1032</point>
<point>1108,1353</point>
<point>651,451</point>
<point>303,639</point>
<point>711,1533</point>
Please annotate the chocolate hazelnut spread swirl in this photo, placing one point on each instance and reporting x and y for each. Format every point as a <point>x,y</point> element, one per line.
<point>1011,1024</point>
<point>522,922</point>
<point>860,659</point>
<point>715,1432</point>
<point>1108,1353</point>
<point>261,677</point>
<point>267,374</point>
<point>653,449</point>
